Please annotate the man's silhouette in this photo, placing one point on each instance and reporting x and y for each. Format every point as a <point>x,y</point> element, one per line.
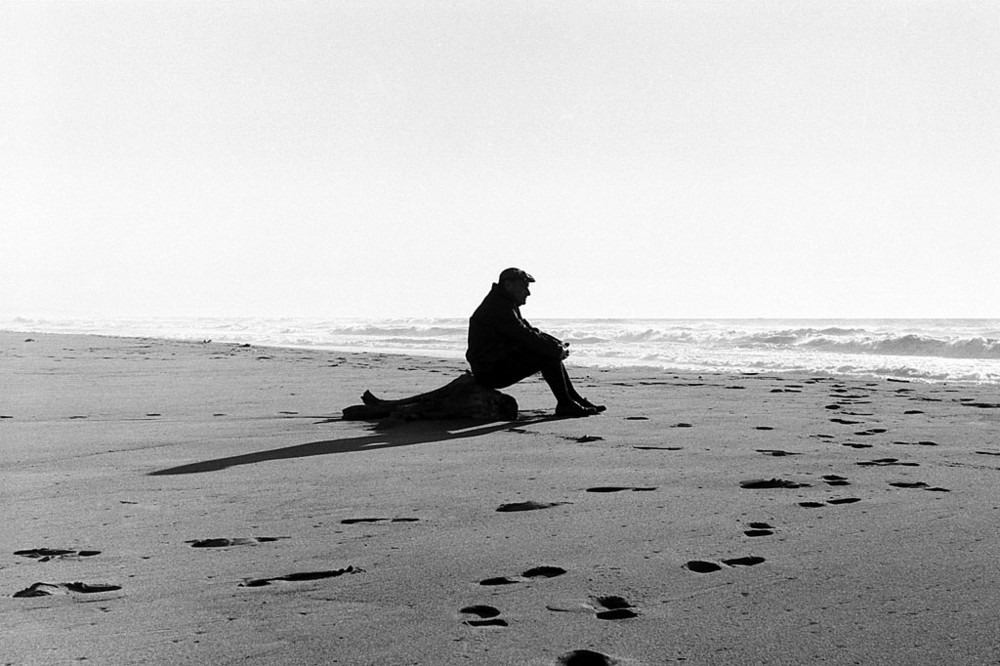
<point>504,348</point>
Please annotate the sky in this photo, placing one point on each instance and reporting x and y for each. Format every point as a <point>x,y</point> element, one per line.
<point>383,159</point>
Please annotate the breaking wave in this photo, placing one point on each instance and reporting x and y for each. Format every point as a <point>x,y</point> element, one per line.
<point>933,350</point>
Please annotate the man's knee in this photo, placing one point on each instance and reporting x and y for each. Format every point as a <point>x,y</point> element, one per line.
<point>516,369</point>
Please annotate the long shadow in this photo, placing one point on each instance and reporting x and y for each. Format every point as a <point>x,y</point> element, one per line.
<point>404,434</point>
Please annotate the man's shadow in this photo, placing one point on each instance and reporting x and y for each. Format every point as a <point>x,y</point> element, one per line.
<point>400,434</point>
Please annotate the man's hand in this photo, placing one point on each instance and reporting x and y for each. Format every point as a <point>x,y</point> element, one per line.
<point>565,350</point>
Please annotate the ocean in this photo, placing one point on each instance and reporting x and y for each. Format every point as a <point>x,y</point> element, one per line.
<point>932,350</point>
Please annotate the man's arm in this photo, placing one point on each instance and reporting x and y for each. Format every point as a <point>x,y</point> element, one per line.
<point>508,325</point>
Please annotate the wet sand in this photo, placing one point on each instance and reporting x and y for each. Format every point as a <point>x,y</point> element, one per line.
<point>190,503</point>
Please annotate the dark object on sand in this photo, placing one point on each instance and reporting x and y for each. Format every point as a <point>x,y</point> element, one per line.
<point>462,398</point>
<point>771,483</point>
<point>47,589</point>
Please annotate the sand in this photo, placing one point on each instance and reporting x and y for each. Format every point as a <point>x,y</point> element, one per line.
<point>201,503</point>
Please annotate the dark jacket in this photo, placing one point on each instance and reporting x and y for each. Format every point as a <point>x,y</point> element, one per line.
<point>498,332</point>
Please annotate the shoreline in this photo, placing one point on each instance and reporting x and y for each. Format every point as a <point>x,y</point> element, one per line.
<point>239,520</point>
<point>632,367</point>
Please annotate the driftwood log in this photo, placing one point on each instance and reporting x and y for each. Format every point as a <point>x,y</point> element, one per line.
<point>462,398</point>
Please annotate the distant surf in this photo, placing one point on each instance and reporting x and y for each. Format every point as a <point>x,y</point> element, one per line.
<point>918,349</point>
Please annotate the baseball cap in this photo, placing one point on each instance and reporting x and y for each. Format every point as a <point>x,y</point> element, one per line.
<point>514,274</point>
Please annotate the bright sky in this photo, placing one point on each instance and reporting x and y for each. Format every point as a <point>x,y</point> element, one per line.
<point>371,158</point>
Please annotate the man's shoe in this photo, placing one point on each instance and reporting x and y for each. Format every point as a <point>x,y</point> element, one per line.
<point>574,410</point>
<point>589,405</point>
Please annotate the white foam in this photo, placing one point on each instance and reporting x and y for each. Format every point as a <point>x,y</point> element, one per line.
<point>932,350</point>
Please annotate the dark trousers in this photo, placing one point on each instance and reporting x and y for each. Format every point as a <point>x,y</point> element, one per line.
<point>525,365</point>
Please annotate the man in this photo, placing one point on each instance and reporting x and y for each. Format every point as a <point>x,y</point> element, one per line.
<point>504,348</point>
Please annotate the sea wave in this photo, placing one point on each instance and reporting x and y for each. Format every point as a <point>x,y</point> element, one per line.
<point>834,340</point>
<point>933,350</point>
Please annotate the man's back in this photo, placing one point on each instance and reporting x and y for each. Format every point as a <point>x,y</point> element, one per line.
<point>497,331</point>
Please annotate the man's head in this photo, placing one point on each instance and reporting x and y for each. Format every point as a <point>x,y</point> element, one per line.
<point>514,282</point>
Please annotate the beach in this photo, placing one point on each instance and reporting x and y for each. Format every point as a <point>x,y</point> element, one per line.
<point>186,502</point>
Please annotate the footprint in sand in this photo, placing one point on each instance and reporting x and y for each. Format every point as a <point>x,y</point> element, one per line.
<point>835,501</point>
<point>758,484</point>
<point>846,421</point>
<point>225,543</point>
<point>857,445</point>
<point>296,577</point>
<point>50,589</point>
<point>47,554</point>
<point>535,572</point>
<point>759,530</point>
<point>700,566</point>
<point>834,480</point>
<point>777,453</point>
<point>618,489</point>
<point>352,521</point>
<point>918,484</point>
<point>610,607</point>
<point>530,505</point>
<point>887,462</point>
<point>615,608</point>
<point>585,658</point>
<point>488,616</point>
<point>658,448</point>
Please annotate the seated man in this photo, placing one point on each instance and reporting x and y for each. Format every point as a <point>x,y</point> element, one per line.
<point>504,348</point>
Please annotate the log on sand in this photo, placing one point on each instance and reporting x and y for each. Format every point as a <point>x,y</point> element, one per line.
<point>462,398</point>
